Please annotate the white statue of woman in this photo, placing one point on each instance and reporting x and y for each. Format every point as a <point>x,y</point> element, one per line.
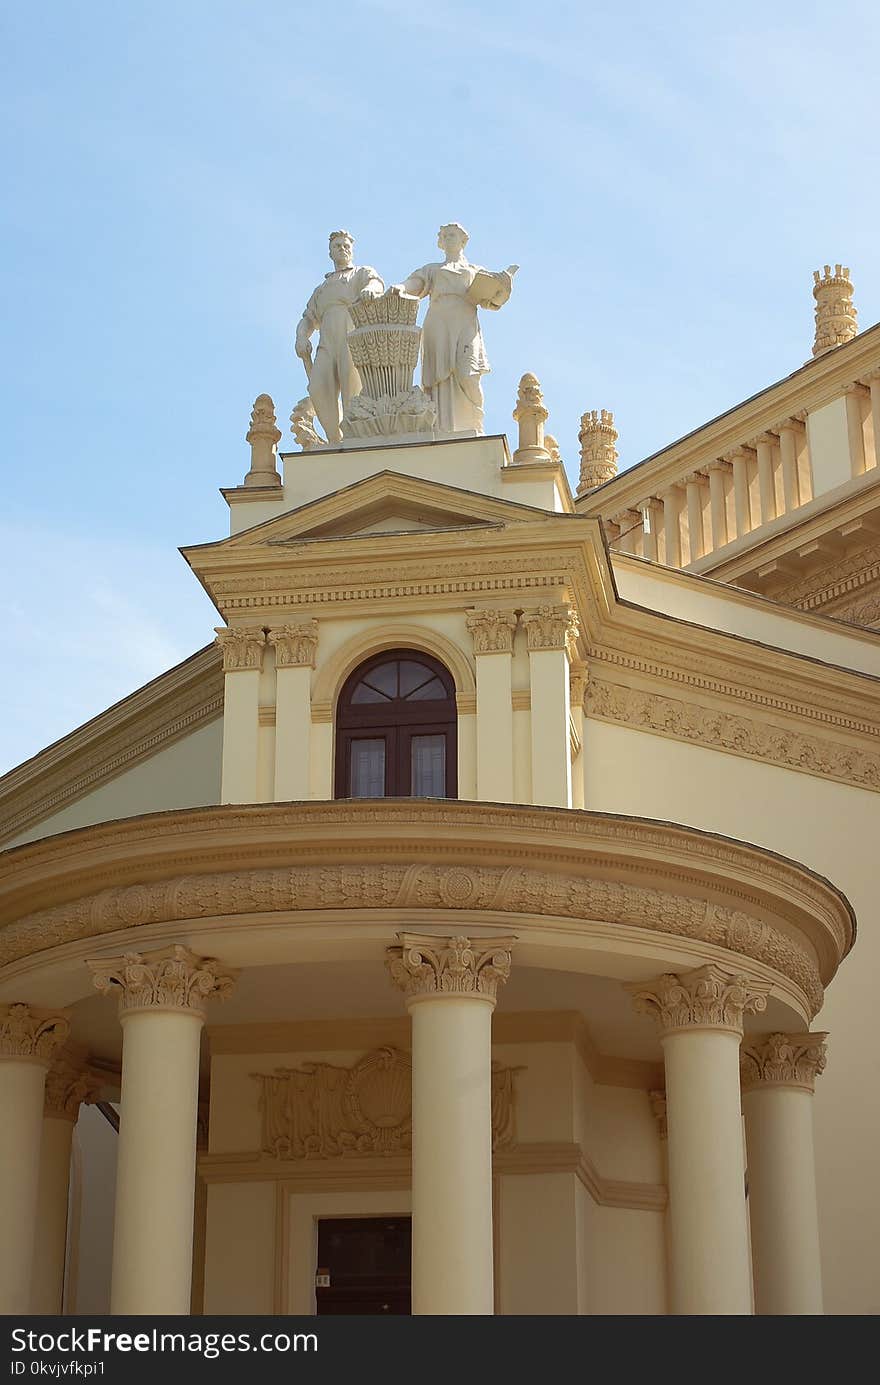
<point>453,355</point>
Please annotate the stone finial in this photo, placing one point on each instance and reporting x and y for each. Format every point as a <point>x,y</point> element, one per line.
<point>552,447</point>
<point>782,1060</point>
<point>171,978</point>
<point>709,997</point>
<point>597,438</point>
<point>263,435</point>
<point>425,967</point>
<point>835,313</point>
<point>531,415</point>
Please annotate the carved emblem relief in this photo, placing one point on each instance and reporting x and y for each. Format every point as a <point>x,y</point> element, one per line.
<point>322,1111</point>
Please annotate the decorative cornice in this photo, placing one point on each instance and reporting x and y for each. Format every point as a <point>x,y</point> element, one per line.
<point>32,1032</point>
<point>171,978</point>
<point>552,627</point>
<point>241,860</point>
<point>70,1082</point>
<point>295,645</point>
<point>384,1171</point>
<point>241,646</point>
<point>732,733</point>
<point>426,967</point>
<point>841,578</point>
<point>492,631</point>
<point>157,715</point>
<point>782,1060</point>
<point>708,997</point>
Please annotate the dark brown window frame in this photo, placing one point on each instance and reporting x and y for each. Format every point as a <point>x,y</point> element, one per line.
<point>396,722</point>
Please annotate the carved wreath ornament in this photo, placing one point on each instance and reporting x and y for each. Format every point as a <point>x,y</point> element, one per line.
<point>321,1111</point>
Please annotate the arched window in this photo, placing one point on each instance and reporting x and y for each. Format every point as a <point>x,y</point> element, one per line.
<point>396,729</point>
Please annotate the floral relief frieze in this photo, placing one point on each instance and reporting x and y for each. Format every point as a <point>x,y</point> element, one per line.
<point>514,890</point>
<point>732,732</point>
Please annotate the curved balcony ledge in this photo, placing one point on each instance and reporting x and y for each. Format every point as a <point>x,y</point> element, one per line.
<point>270,882</point>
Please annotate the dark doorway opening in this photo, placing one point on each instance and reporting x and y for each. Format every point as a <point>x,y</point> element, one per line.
<point>364,1265</point>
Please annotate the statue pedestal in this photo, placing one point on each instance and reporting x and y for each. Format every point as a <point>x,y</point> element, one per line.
<point>384,347</point>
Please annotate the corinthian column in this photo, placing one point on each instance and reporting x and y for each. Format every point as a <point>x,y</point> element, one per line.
<point>700,1017</point>
<point>778,1073</point>
<point>295,648</point>
<point>450,986</point>
<point>492,632</point>
<point>242,649</point>
<point>29,1039</point>
<point>161,998</point>
<point>69,1083</point>
<point>551,632</point>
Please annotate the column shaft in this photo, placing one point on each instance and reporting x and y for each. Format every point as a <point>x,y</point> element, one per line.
<point>671,527</point>
<point>788,460</point>
<point>766,486</point>
<point>875,415</point>
<point>50,1247</point>
<point>707,1211</point>
<point>782,1201</point>
<point>494,728</point>
<point>155,1180</point>
<point>717,504</point>
<point>293,728</point>
<point>452,1157</point>
<point>241,730</point>
<point>695,519</point>
<point>21,1102</point>
<point>741,495</point>
<point>551,746</point>
<point>854,432</point>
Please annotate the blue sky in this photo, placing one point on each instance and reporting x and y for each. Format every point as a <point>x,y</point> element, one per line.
<point>666,176</point>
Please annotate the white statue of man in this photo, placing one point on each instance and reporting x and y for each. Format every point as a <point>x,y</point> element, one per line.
<point>453,355</point>
<point>332,377</point>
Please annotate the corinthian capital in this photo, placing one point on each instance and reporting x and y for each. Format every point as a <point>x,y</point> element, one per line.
<point>552,627</point>
<point>492,631</point>
<point>707,998</point>
<point>782,1060</point>
<point>29,1031</point>
<point>69,1083</point>
<point>172,978</point>
<point>425,967</point>
<point>295,645</point>
<point>241,646</point>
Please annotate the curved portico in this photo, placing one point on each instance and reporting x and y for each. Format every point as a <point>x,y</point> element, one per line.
<point>293,889</point>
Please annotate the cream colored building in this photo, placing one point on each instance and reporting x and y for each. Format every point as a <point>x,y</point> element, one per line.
<point>498,867</point>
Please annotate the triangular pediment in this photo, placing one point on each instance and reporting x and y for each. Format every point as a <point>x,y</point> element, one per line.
<point>387,502</point>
